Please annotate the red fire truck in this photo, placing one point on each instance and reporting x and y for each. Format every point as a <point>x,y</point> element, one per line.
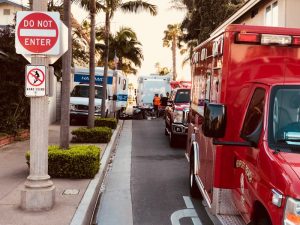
<point>244,125</point>
<point>180,84</point>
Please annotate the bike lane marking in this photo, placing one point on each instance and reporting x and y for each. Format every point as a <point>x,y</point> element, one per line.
<point>189,212</point>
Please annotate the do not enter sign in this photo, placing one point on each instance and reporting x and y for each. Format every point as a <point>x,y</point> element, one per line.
<point>38,33</point>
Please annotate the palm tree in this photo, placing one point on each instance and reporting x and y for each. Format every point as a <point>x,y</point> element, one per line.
<point>110,7</point>
<point>93,6</point>
<point>124,45</point>
<point>188,50</point>
<point>178,5</point>
<point>161,70</point>
<point>171,40</point>
<point>65,98</point>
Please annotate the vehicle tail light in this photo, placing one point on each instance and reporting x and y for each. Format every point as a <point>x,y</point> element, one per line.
<point>269,39</point>
<point>296,41</point>
<point>247,38</point>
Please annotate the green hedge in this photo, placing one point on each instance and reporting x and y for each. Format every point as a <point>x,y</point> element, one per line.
<point>106,122</point>
<point>4,134</point>
<point>92,135</point>
<point>77,162</point>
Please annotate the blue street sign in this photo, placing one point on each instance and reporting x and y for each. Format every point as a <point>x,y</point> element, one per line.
<point>85,79</point>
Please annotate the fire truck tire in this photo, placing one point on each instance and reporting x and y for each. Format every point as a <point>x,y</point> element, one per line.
<point>194,190</point>
<point>263,221</point>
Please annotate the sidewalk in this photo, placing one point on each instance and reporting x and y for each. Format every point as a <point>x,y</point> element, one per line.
<point>14,171</point>
<point>115,206</point>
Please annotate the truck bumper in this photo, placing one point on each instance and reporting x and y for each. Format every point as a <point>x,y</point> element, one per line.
<point>79,115</point>
<point>179,129</point>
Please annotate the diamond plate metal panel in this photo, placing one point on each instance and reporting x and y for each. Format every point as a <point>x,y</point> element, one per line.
<point>226,205</point>
<point>230,220</point>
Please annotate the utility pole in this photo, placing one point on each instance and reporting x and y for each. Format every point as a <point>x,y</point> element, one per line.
<point>39,191</point>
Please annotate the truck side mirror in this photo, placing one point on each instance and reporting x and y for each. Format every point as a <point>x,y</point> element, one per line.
<point>214,120</point>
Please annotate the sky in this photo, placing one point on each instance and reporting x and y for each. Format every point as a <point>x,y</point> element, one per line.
<point>150,31</point>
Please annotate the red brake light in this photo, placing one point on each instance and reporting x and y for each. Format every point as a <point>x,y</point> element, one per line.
<point>296,41</point>
<point>247,38</point>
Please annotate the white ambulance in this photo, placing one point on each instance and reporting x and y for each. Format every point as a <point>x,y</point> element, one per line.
<point>116,93</point>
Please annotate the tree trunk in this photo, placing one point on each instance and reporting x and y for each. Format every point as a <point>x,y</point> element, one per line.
<point>65,95</point>
<point>174,58</point>
<point>106,54</point>
<point>91,116</point>
<point>30,4</point>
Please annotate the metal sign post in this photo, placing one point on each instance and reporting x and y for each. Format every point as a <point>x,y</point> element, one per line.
<point>39,191</point>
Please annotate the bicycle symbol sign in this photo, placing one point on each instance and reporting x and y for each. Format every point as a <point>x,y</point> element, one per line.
<point>35,81</point>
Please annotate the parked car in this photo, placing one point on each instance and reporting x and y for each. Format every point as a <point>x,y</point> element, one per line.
<point>176,114</point>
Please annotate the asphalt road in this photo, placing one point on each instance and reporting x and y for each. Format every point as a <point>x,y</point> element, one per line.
<point>147,183</point>
<point>159,179</point>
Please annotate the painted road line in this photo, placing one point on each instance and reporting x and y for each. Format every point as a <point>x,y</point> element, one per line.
<point>189,212</point>
<point>188,202</point>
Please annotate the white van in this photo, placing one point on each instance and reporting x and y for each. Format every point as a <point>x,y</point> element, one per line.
<point>150,85</point>
<point>116,93</point>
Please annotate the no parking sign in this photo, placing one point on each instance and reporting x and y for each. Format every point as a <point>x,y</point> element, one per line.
<point>35,81</point>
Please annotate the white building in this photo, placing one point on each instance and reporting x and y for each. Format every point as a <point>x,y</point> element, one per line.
<point>278,13</point>
<point>8,11</point>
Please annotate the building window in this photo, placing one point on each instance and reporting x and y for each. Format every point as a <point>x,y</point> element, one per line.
<point>272,15</point>
<point>6,12</point>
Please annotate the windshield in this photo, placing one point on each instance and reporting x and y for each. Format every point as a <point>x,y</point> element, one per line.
<point>83,91</point>
<point>182,96</point>
<point>284,126</point>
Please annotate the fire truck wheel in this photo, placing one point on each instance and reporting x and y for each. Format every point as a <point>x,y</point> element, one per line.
<point>194,190</point>
<point>263,221</point>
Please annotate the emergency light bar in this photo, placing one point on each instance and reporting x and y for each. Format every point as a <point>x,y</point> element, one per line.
<point>267,39</point>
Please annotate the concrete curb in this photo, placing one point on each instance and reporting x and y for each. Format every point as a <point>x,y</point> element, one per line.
<point>85,209</point>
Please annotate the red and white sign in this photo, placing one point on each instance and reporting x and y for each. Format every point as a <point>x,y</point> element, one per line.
<point>35,81</point>
<point>38,33</point>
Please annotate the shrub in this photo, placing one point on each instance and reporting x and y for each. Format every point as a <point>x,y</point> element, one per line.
<point>14,106</point>
<point>92,135</point>
<point>106,122</point>
<point>3,135</point>
<point>78,161</point>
